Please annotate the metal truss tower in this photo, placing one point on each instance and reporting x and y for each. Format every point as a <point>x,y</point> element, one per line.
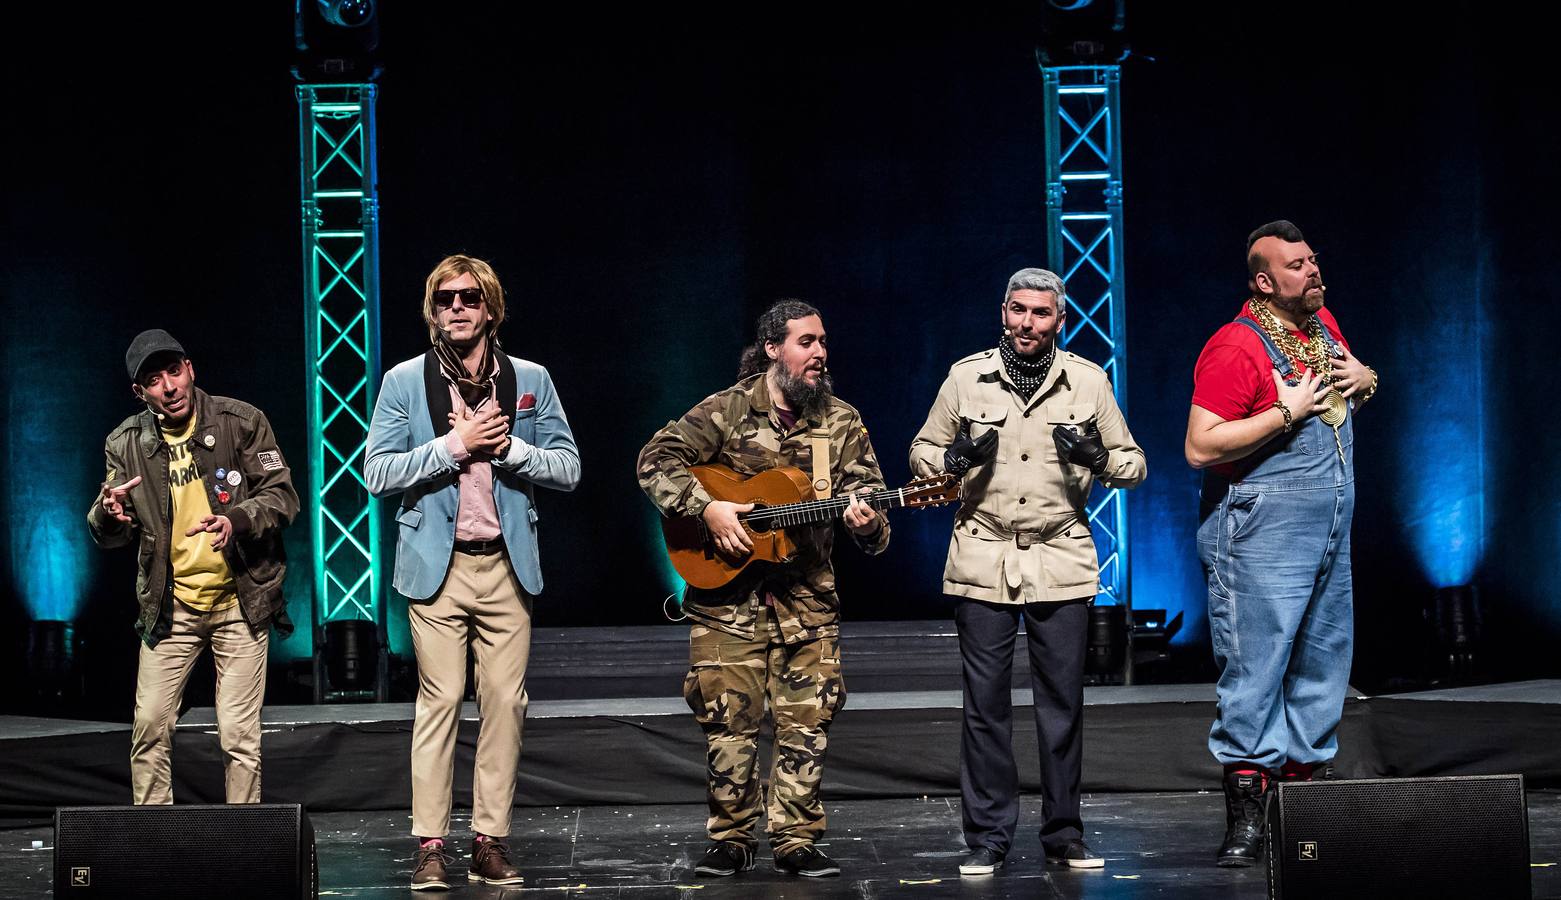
<point>340,203</point>
<point>1084,246</point>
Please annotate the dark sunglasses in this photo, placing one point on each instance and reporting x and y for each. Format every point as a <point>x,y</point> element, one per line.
<point>470,297</point>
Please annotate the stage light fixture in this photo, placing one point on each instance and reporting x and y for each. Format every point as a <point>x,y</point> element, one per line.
<point>1107,648</point>
<point>351,654</point>
<point>336,40</point>
<point>347,13</point>
<point>1457,621</point>
<point>51,661</point>
<point>1152,635</point>
<point>1082,32</point>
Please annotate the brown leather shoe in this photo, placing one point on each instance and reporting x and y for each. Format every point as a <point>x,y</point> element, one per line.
<point>490,863</point>
<point>428,872</point>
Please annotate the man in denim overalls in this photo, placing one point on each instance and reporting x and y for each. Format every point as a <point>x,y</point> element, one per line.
<point>1272,423</point>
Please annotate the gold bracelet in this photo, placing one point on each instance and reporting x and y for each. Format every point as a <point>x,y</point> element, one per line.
<point>1285,411</point>
<point>1371,391</point>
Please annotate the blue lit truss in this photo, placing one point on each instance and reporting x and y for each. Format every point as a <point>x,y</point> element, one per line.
<point>339,192</point>
<point>1084,246</point>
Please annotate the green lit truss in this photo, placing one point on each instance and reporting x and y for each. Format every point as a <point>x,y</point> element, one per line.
<point>1084,246</point>
<point>339,193</point>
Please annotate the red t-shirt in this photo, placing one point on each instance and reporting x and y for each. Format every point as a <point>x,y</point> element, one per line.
<point>1233,378</point>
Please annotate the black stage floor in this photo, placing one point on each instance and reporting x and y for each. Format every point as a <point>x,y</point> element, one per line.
<point>1154,844</point>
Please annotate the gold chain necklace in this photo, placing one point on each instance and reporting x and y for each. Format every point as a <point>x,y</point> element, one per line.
<point>1314,355</point>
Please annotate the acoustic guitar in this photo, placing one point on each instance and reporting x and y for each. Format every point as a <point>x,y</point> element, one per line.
<point>782,497</point>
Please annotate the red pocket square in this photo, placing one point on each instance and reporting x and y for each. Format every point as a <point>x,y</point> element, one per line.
<point>527,401</point>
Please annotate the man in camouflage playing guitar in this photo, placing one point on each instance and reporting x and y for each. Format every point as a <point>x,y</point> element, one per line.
<point>773,631</point>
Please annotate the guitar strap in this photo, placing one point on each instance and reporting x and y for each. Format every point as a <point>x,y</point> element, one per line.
<point>819,438</point>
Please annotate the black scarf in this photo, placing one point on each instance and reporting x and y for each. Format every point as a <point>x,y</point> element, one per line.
<point>1026,374</point>
<point>473,391</point>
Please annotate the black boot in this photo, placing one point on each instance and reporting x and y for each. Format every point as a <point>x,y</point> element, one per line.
<point>1246,813</point>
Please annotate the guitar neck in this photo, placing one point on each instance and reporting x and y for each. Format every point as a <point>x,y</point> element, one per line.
<point>816,512</point>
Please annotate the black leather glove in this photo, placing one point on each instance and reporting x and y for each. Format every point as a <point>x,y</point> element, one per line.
<point>966,452</point>
<point>1083,447</point>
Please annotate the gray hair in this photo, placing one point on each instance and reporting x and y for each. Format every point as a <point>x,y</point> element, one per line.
<point>1036,280</point>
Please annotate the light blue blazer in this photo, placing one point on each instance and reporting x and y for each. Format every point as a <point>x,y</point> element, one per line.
<point>407,453</point>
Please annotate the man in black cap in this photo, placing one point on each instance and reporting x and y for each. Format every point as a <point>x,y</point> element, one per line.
<point>199,484</point>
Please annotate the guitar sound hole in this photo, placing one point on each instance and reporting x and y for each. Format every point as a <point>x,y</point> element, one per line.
<point>757,522</point>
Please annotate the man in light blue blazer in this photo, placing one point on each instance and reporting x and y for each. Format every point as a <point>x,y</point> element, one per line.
<point>466,434</point>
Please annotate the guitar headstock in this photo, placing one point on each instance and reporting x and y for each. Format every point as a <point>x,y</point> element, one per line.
<point>931,490</point>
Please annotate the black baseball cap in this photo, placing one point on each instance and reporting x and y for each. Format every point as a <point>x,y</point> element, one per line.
<point>146,345</point>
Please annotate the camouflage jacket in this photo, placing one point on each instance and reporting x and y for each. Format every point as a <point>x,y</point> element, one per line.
<point>738,428</point>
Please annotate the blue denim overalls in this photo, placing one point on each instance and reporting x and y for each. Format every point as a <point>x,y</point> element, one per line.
<point>1275,548</point>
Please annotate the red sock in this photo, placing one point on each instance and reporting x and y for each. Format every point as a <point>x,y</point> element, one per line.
<point>425,843</point>
<point>1294,771</point>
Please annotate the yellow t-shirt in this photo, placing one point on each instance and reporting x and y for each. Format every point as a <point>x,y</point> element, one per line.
<point>201,577</point>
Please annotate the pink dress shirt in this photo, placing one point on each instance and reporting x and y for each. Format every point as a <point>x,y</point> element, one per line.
<point>477,516</point>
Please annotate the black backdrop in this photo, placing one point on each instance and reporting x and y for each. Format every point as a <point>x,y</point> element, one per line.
<point>645,183</point>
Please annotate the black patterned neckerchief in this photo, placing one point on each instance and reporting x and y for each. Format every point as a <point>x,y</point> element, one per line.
<point>1026,374</point>
<point>474,391</point>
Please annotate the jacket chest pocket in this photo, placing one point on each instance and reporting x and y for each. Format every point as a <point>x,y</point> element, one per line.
<point>985,416</point>
<point>1071,416</point>
<point>746,456</point>
<point>409,517</point>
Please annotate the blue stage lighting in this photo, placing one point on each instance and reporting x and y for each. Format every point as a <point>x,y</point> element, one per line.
<point>1447,529</point>
<point>1442,466</point>
<point>48,530</point>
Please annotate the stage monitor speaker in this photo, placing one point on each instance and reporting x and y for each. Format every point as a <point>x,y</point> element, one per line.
<point>229,852</point>
<point>1399,837</point>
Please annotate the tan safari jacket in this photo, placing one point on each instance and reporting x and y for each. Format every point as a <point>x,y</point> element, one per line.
<point>1021,534</point>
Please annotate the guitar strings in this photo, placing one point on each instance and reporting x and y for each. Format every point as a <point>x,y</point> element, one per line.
<point>831,505</point>
<point>840,502</point>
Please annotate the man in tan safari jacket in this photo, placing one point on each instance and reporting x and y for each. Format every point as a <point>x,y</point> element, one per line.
<point>772,634</point>
<point>1030,428</point>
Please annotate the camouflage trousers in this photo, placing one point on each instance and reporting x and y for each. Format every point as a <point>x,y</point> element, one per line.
<point>728,682</point>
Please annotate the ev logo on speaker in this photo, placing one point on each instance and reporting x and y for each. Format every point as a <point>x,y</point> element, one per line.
<point>1306,850</point>
<point>81,876</point>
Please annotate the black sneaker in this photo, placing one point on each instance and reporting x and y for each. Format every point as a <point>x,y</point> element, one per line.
<point>984,861</point>
<point>806,860</point>
<point>1077,855</point>
<point>725,858</point>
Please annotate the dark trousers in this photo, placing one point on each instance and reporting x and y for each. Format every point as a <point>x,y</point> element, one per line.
<point>988,778</point>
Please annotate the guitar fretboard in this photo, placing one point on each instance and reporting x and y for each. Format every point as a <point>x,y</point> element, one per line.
<point>813,512</point>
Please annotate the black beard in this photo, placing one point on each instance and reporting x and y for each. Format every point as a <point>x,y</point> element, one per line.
<point>806,400</point>
<point>1297,308</point>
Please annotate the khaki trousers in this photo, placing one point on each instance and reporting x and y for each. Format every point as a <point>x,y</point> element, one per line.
<point>480,605</point>
<point>240,655</point>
